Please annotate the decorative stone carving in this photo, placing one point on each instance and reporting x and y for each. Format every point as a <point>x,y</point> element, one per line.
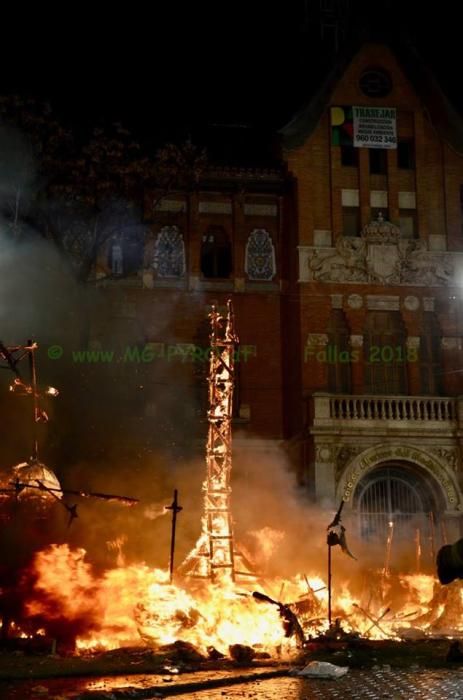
<point>362,463</point>
<point>317,339</point>
<point>356,341</point>
<point>428,303</point>
<point>324,453</point>
<point>382,302</point>
<point>379,255</point>
<point>426,268</point>
<point>346,263</point>
<point>355,301</point>
<point>449,455</point>
<point>260,256</point>
<point>344,455</point>
<point>411,303</point>
<point>169,253</point>
<point>380,231</point>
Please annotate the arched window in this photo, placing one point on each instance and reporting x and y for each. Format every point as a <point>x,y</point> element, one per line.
<point>169,253</point>
<point>397,510</point>
<point>260,256</point>
<point>385,353</point>
<point>338,354</point>
<point>216,257</point>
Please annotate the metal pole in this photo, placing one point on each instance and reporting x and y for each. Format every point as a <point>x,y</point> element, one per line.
<point>33,375</point>
<point>432,536</point>
<point>175,508</point>
<point>329,585</point>
<point>418,549</point>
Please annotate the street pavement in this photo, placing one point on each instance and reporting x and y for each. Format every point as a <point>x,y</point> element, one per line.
<point>381,683</point>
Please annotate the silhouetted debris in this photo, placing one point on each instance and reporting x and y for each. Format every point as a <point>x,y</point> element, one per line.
<point>183,651</point>
<point>214,654</point>
<point>455,654</point>
<point>241,653</point>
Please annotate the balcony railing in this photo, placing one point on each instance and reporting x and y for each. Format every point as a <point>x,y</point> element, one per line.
<point>388,408</point>
<point>396,410</point>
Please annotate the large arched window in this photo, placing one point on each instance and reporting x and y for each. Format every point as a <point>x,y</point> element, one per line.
<point>397,512</point>
<point>385,353</point>
<point>169,253</point>
<point>260,256</point>
<point>216,256</point>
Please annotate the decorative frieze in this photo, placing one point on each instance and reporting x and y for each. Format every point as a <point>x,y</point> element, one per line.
<point>449,455</point>
<point>382,302</point>
<point>379,256</point>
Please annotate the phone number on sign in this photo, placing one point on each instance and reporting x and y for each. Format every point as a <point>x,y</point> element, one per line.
<point>377,138</point>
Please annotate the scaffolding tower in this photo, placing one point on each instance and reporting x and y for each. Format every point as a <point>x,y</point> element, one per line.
<point>214,557</point>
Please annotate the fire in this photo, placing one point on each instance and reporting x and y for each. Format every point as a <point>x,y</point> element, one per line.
<point>130,604</point>
<point>133,602</point>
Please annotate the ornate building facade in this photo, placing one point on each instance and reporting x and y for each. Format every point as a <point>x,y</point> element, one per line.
<point>345,265</point>
<point>378,176</point>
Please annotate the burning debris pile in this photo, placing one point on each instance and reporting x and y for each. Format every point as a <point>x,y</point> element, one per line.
<point>219,600</point>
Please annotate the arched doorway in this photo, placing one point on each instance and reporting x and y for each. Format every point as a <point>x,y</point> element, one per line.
<point>398,516</point>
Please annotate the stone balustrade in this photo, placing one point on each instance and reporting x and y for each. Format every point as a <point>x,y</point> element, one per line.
<point>398,411</point>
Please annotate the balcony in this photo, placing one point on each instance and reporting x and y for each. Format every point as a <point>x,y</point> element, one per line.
<point>383,415</point>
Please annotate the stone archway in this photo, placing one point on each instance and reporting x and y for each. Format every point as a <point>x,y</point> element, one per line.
<point>432,487</point>
<point>441,478</point>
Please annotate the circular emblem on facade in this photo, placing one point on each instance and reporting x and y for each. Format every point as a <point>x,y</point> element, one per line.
<point>355,301</point>
<point>325,454</point>
<point>375,82</point>
<point>411,303</point>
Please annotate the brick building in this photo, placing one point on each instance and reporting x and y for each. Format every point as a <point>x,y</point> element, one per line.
<point>344,263</point>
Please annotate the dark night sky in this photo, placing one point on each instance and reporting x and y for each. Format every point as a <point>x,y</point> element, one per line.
<point>198,62</point>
